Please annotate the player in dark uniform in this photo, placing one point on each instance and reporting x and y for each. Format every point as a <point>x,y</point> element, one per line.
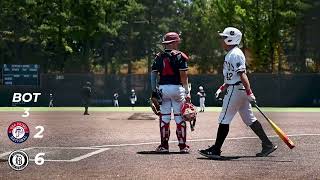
<point>172,67</point>
<point>86,95</point>
<point>51,100</point>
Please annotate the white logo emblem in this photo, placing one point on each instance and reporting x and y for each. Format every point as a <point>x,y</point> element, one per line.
<point>18,160</point>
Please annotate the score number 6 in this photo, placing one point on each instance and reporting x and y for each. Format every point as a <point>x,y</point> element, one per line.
<point>39,160</point>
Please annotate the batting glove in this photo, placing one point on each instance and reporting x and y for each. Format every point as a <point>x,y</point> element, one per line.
<point>188,98</point>
<point>218,92</point>
<point>251,97</point>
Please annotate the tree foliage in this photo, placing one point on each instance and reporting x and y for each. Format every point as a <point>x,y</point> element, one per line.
<point>85,35</point>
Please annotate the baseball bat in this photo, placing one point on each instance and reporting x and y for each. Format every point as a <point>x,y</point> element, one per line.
<point>277,129</point>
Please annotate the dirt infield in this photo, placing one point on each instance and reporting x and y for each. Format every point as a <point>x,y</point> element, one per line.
<point>109,145</point>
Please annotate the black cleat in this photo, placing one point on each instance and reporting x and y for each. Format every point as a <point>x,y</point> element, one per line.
<point>162,149</point>
<point>211,153</point>
<point>184,149</point>
<point>266,150</point>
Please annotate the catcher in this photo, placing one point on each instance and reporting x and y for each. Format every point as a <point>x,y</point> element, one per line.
<point>172,93</point>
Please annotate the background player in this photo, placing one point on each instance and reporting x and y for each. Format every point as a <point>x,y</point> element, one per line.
<point>133,98</point>
<point>202,98</point>
<point>86,95</point>
<point>51,100</point>
<point>238,96</point>
<point>172,67</point>
<point>115,99</point>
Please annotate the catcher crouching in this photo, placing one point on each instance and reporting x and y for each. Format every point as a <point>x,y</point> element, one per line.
<point>171,93</point>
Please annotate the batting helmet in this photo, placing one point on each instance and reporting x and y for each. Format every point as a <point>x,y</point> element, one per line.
<point>170,37</point>
<point>232,36</point>
<point>188,111</point>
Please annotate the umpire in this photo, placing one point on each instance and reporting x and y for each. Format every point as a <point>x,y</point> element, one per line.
<point>86,95</point>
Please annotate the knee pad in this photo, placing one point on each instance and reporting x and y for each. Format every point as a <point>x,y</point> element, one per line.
<point>165,118</point>
<point>178,118</point>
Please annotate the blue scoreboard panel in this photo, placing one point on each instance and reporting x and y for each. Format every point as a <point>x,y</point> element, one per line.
<point>21,75</point>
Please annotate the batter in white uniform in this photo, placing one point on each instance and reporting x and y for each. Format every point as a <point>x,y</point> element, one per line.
<point>238,96</point>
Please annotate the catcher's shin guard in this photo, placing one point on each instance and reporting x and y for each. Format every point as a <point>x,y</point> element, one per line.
<point>181,133</point>
<point>164,133</point>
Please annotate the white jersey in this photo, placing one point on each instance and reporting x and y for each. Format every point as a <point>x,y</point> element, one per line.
<point>234,62</point>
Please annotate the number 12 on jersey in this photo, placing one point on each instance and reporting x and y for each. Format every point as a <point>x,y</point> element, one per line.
<point>229,76</point>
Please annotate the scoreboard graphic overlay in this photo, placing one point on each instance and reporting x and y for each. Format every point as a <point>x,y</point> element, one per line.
<point>21,75</point>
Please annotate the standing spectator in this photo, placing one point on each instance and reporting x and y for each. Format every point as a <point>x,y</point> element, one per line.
<point>86,95</point>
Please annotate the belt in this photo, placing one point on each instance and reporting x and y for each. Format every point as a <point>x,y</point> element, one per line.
<point>235,84</point>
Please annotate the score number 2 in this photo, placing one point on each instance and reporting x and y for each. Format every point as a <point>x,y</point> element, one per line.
<point>39,134</point>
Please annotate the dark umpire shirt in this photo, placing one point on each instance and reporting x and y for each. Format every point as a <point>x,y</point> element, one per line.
<point>168,64</point>
<point>86,92</point>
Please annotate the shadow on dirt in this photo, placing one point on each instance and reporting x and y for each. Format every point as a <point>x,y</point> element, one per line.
<point>142,116</point>
<point>243,158</point>
<point>3,160</point>
<point>155,152</point>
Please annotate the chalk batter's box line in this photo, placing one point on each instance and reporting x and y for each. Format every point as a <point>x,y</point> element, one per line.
<point>97,151</point>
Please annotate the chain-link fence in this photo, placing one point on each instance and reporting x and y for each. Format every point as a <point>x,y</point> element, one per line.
<point>270,89</point>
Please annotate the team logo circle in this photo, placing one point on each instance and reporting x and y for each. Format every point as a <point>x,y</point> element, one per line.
<point>18,160</point>
<point>18,132</point>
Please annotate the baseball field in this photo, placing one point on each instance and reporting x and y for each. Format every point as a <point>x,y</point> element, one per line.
<point>118,143</point>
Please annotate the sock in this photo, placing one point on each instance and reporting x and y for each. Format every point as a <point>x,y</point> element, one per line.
<point>258,130</point>
<point>223,131</point>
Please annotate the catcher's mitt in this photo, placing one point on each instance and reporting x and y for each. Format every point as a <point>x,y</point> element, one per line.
<point>155,106</point>
<point>189,113</point>
<point>155,102</point>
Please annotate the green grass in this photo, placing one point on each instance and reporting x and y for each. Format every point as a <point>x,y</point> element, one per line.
<point>146,109</point>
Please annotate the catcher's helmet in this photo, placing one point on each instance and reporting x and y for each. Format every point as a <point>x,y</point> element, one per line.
<point>232,36</point>
<point>170,37</point>
<point>188,111</point>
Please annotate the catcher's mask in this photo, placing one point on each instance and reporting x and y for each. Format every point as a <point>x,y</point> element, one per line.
<point>188,112</point>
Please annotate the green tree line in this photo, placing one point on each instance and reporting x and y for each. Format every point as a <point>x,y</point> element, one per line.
<point>104,35</point>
